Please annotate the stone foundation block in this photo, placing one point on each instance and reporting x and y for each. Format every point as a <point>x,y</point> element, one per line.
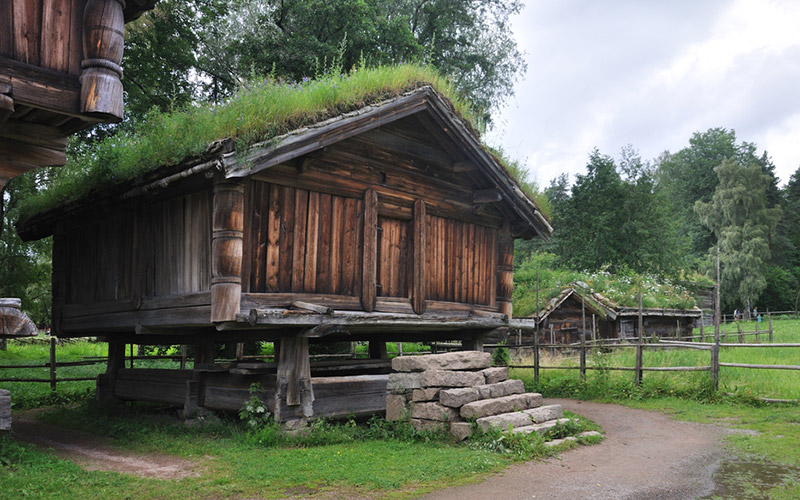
<point>505,404</point>
<point>557,442</point>
<point>540,428</point>
<point>396,406</point>
<point>495,374</point>
<point>461,430</point>
<point>502,421</point>
<point>456,398</point>
<point>425,394</point>
<point>433,411</point>
<point>459,360</point>
<point>500,389</point>
<point>428,425</point>
<point>5,410</point>
<point>402,382</point>
<point>448,378</point>
<point>545,413</point>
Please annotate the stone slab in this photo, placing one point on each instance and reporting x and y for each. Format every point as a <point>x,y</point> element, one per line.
<point>431,394</point>
<point>428,425</point>
<point>540,428</point>
<point>557,442</point>
<point>433,411</point>
<point>449,378</point>
<point>505,404</point>
<point>458,360</point>
<point>396,406</point>
<point>590,434</point>
<point>402,382</point>
<point>495,374</point>
<point>461,430</point>
<point>459,397</point>
<point>544,413</point>
<point>514,419</point>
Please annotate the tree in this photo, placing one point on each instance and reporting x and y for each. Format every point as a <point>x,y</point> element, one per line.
<point>741,222</point>
<point>689,176</point>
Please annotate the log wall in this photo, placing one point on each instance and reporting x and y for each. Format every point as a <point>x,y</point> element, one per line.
<point>44,33</point>
<point>156,249</point>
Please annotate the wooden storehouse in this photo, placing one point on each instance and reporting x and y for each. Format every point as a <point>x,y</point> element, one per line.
<point>390,222</point>
<point>59,73</point>
<point>566,316</point>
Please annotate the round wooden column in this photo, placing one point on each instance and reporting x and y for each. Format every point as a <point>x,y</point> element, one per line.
<point>103,42</point>
<point>226,250</point>
<point>505,271</point>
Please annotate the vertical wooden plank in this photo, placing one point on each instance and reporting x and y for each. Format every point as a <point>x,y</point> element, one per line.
<point>439,277</point>
<point>264,272</point>
<point>249,238</point>
<point>27,31</point>
<point>358,244</point>
<point>273,257</point>
<point>404,266</point>
<point>299,244</point>
<point>286,239</point>
<point>447,241</point>
<point>457,256</point>
<point>312,242</point>
<point>75,39</point>
<point>55,35</point>
<point>490,269</point>
<point>6,28</point>
<point>381,258</point>
<point>505,270</point>
<point>324,245</point>
<point>429,257</point>
<point>370,250</point>
<point>337,236</point>
<point>419,278</point>
<point>349,247</point>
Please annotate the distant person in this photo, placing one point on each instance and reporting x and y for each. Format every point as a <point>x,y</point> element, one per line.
<point>755,313</point>
<point>736,315</point>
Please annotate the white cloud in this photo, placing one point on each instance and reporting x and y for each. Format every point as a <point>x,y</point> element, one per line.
<point>606,74</point>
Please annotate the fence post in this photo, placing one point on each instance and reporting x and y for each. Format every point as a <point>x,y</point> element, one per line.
<point>52,363</point>
<point>715,364</point>
<point>769,319</point>
<point>638,370</point>
<point>536,356</point>
<point>702,320</point>
<point>741,335</point>
<point>756,329</point>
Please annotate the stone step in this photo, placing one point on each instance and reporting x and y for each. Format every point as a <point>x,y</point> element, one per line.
<point>459,397</point>
<point>521,418</point>
<point>557,442</point>
<point>541,427</point>
<point>459,360</point>
<point>496,406</point>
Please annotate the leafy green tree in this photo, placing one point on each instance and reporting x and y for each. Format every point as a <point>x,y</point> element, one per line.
<point>24,267</point>
<point>688,176</point>
<point>741,222</point>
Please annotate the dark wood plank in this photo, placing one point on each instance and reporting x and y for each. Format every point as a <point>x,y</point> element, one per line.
<point>370,251</point>
<point>55,34</point>
<point>299,244</point>
<point>312,244</point>
<point>286,240</point>
<point>337,237</point>
<point>27,31</point>
<point>349,244</point>
<point>274,257</point>
<point>323,284</point>
<point>6,29</point>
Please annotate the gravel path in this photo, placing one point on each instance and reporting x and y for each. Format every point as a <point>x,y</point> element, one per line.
<point>646,455</point>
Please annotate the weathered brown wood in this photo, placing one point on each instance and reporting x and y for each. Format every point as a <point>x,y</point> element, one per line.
<point>312,244</point>
<point>308,306</point>
<point>226,250</point>
<point>5,410</point>
<point>324,263</point>
<point>6,29</point>
<point>285,300</point>
<point>298,245</point>
<point>273,255</point>
<point>505,271</point>
<point>101,85</point>
<point>370,251</point>
<point>55,49</point>
<point>464,166</point>
<point>294,374</point>
<point>419,276</point>
<point>324,331</point>
<point>351,221</point>
<point>489,195</point>
<point>27,30</point>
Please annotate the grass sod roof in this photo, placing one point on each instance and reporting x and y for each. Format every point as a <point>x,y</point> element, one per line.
<point>257,114</point>
<point>610,291</point>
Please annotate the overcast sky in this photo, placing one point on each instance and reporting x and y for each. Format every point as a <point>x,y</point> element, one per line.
<point>650,74</point>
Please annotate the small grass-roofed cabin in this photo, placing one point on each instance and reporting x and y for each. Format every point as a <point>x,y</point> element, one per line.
<point>388,221</point>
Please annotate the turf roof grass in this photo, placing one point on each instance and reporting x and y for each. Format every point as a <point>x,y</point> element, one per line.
<point>257,112</point>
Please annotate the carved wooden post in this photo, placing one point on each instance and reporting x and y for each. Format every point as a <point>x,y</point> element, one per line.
<point>103,42</point>
<point>505,270</point>
<point>294,378</point>
<point>226,250</point>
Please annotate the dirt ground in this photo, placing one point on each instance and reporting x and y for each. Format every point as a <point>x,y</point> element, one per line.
<point>646,455</point>
<point>91,453</point>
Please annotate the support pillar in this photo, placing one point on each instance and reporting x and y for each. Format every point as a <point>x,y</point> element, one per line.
<point>101,73</point>
<point>226,250</point>
<point>294,379</point>
<point>108,380</point>
<point>377,350</point>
